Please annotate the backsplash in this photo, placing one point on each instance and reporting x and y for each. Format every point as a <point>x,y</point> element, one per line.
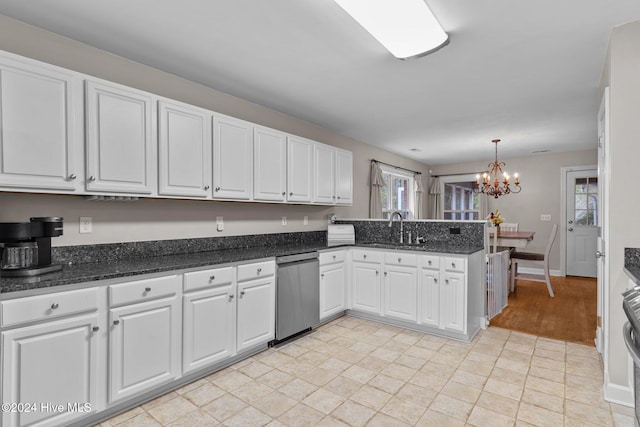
<point>119,251</point>
<point>632,258</point>
<point>434,232</point>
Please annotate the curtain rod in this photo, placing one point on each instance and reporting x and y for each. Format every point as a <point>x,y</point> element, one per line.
<point>397,167</point>
<point>456,174</point>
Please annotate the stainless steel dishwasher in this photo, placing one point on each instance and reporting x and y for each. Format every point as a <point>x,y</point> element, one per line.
<point>297,294</point>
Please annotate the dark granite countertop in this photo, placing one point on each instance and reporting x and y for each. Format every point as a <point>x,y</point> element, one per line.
<point>93,271</point>
<point>632,264</point>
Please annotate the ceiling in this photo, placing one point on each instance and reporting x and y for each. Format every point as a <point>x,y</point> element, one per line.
<point>523,71</point>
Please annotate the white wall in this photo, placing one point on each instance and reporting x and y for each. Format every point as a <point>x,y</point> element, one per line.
<point>622,75</point>
<point>168,219</point>
<point>540,179</point>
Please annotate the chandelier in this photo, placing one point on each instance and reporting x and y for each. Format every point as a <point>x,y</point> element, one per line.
<point>496,182</point>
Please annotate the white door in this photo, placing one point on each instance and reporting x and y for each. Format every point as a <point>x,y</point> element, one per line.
<point>256,312</point>
<point>53,363</point>
<point>582,222</point>
<point>269,165</point>
<point>299,169</point>
<point>401,292</point>
<point>366,287</point>
<point>430,298</point>
<point>325,171</point>
<point>603,203</point>
<point>452,302</point>
<point>332,290</point>
<point>144,346</point>
<point>121,139</point>
<point>344,177</point>
<point>39,146</point>
<point>232,158</point>
<point>184,150</point>
<point>209,327</point>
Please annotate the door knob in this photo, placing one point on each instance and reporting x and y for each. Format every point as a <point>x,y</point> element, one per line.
<point>570,229</point>
<point>599,254</point>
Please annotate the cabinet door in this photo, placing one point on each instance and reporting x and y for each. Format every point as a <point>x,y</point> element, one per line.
<point>325,174</point>
<point>121,139</point>
<point>209,327</point>
<point>51,364</point>
<point>366,287</point>
<point>256,312</point>
<point>270,165</point>
<point>232,158</point>
<point>430,298</point>
<point>332,290</point>
<point>452,302</point>
<point>39,143</point>
<point>184,150</point>
<point>144,346</point>
<point>299,169</point>
<point>401,292</point>
<point>344,177</point>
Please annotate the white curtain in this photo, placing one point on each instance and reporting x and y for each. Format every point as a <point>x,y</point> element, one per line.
<point>376,183</point>
<point>419,190</point>
<point>434,195</point>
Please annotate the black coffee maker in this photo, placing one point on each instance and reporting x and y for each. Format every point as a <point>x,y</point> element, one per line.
<point>25,247</point>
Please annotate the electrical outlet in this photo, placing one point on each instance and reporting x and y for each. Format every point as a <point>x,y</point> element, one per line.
<point>284,220</point>
<point>86,224</point>
<point>454,230</point>
<point>220,223</point>
<point>305,221</point>
<point>545,217</point>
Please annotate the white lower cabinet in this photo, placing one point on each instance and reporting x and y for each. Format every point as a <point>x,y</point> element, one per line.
<point>144,337</point>
<point>50,368</point>
<point>256,305</point>
<point>430,298</point>
<point>453,301</point>
<point>401,292</point>
<point>333,284</point>
<point>365,281</point>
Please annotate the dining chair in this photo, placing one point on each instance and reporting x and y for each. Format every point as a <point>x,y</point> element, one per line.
<point>491,240</point>
<point>509,226</point>
<point>535,258</point>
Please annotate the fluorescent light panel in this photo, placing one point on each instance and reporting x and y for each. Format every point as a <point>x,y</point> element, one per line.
<point>407,28</point>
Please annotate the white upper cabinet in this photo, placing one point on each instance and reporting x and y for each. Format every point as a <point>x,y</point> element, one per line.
<point>344,177</point>
<point>270,165</point>
<point>299,169</point>
<point>184,150</point>
<point>325,173</point>
<point>121,139</point>
<point>232,158</point>
<point>40,135</point>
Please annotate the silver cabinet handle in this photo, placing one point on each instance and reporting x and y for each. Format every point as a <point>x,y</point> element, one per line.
<point>570,229</point>
<point>92,178</point>
<point>73,176</point>
<point>54,306</point>
<point>217,188</point>
<point>259,270</point>
<point>399,259</point>
<point>291,194</point>
<point>241,293</point>
<point>147,289</point>
<point>429,262</point>
<point>95,328</point>
<point>284,193</point>
<point>599,254</point>
<point>435,280</point>
<point>206,187</point>
<point>116,322</point>
<point>231,297</point>
<point>212,278</point>
<point>364,256</point>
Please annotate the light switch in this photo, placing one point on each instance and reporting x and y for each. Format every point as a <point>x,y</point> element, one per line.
<point>220,223</point>
<point>545,217</point>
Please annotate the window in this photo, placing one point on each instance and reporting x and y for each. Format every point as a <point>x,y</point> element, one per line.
<point>586,201</point>
<point>460,202</point>
<point>398,193</point>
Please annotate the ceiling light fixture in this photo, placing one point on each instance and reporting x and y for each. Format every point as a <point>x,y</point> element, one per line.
<point>407,28</point>
<point>496,182</point>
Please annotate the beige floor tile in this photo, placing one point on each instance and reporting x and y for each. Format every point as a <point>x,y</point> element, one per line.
<point>323,400</point>
<point>447,359</point>
<point>416,394</point>
<point>586,395</point>
<point>396,345</point>
<point>301,416</point>
<point>545,386</point>
<point>550,344</point>
<point>584,382</point>
<point>624,410</point>
<point>539,416</point>
<point>386,383</point>
<point>430,381</point>
<point>202,395</point>
<point>406,337</point>
<point>404,410</point>
<point>232,380</point>
<point>296,368</point>
<point>583,371</point>
<point>373,363</point>
<point>504,389</point>
<point>330,421</point>
<point>298,389</point>
<point>349,356</point>
<point>275,404</point>
<point>196,418</point>
<point>371,397</point>
<point>588,413</point>
<point>295,350</point>
<point>275,379</point>
<point>224,407</point>
<point>386,354</point>
<point>334,365</point>
<point>519,347</point>
<point>399,372</point>
<point>361,347</point>
<point>251,392</point>
<point>342,386</point>
<point>255,369</point>
<point>382,420</point>
<point>543,362</point>
<point>482,417</point>
<point>469,379</point>
<point>438,369</point>
<point>451,407</point>
<point>317,376</point>
<point>547,374</point>
<point>477,368</point>
<point>410,361</point>
<point>121,418</point>
<point>276,359</point>
<point>313,357</point>
<point>500,404</point>
<point>622,420</point>
<point>353,413</point>
<point>159,400</point>
<point>512,365</point>
<point>171,410</point>
<point>429,344</point>
<point>433,418</point>
<point>358,374</point>
<point>487,349</point>
<point>141,420</point>
<point>543,400</point>
<point>508,376</point>
<point>575,422</point>
<point>482,357</point>
<point>192,386</point>
<point>550,354</point>
<point>461,391</point>
<point>420,352</point>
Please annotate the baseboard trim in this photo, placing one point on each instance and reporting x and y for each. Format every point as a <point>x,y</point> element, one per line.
<point>621,395</point>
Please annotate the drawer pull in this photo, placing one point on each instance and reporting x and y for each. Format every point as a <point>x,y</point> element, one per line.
<point>147,289</point>
<point>259,270</point>
<point>116,322</point>
<point>217,188</point>
<point>54,306</point>
<point>92,178</point>
<point>206,187</point>
<point>364,256</point>
<point>399,259</point>
<point>377,272</point>
<point>241,293</point>
<point>429,262</point>
<point>334,257</point>
<point>231,297</point>
<point>212,278</point>
<point>95,328</point>
<point>453,265</point>
<point>73,176</point>
<point>435,280</point>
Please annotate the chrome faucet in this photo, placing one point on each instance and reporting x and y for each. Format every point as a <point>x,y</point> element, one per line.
<point>401,222</point>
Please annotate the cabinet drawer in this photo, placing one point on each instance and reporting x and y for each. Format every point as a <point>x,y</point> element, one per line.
<point>331,257</point>
<point>42,307</point>
<point>143,290</point>
<point>208,278</point>
<point>401,258</point>
<point>256,270</point>
<point>367,256</point>
<point>454,264</point>
<point>431,261</point>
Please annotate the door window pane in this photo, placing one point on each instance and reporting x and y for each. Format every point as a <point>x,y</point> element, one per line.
<point>586,201</point>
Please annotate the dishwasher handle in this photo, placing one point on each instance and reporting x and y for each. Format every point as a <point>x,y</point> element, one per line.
<point>631,346</point>
<point>288,259</point>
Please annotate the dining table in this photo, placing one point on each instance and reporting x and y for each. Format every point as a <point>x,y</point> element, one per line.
<point>514,239</point>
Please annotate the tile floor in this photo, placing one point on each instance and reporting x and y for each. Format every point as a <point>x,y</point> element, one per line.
<point>354,372</point>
